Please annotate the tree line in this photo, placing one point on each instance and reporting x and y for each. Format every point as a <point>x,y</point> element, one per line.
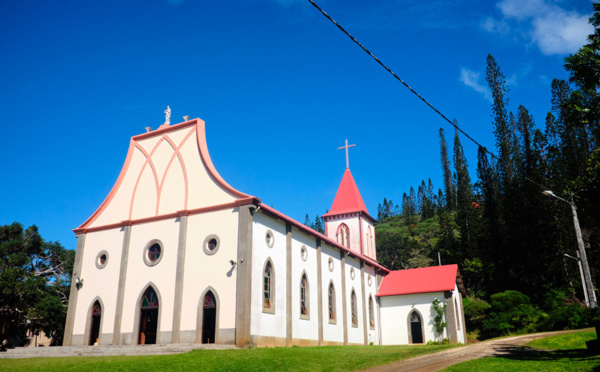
<point>500,229</point>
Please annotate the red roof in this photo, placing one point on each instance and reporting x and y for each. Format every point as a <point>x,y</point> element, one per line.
<point>347,199</point>
<point>423,280</point>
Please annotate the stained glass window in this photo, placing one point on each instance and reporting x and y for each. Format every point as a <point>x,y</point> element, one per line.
<point>154,252</point>
<point>267,276</point>
<point>150,300</point>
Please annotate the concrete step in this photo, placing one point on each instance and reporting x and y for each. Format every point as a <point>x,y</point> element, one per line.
<point>69,351</point>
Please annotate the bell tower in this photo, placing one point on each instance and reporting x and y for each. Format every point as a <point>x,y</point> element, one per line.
<point>348,222</point>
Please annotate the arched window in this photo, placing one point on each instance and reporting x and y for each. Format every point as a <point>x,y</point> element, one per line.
<point>331,296</point>
<point>304,297</point>
<point>268,288</point>
<point>353,309</point>
<point>371,314</point>
<point>343,235</point>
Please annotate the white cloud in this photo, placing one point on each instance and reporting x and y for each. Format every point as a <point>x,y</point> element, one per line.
<point>552,29</point>
<point>494,26</point>
<point>470,78</point>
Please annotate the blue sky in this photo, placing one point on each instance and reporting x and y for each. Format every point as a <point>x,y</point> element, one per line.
<point>280,89</point>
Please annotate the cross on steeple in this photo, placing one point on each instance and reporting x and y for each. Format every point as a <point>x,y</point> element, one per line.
<point>346,147</point>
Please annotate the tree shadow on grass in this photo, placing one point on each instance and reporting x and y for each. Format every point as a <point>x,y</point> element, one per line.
<point>526,353</point>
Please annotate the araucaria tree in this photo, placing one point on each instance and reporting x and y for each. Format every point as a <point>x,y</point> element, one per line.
<point>35,278</point>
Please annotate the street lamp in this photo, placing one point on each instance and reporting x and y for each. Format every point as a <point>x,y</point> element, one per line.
<point>589,288</point>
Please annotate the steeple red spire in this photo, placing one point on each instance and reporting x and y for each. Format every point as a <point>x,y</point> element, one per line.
<point>347,199</point>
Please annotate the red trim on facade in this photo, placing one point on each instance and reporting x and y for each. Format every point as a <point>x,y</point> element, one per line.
<point>324,238</point>
<point>201,137</point>
<point>162,130</point>
<point>113,191</point>
<point>199,127</point>
<point>137,182</point>
<point>213,208</point>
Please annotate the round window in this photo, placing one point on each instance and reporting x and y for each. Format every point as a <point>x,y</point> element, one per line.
<point>352,274</point>
<point>211,244</point>
<point>153,253</point>
<point>269,238</point>
<point>303,253</point>
<point>330,264</point>
<point>102,259</point>
<point>369,280</point>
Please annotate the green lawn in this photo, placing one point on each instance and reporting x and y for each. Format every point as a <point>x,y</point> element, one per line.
<point>557,353</point>
<point>330,358</point>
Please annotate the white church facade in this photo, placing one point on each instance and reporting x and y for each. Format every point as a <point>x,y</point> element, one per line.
<point>176,255</point>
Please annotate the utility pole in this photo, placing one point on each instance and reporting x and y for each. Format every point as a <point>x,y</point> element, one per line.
<point>582,256</point>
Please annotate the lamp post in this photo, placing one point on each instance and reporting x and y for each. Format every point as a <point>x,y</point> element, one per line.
<point>589,288</point>
<point>578,259</point>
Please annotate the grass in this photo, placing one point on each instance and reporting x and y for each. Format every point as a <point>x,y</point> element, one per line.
<point>329,358</point>
<point>566,352</point>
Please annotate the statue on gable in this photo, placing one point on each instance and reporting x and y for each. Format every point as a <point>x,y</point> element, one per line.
<point>168,115</point>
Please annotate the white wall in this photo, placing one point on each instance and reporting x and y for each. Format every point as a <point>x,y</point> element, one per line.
<point>202,270</point>
<point>139,275</point>
<point>333,332</point>
<point>307,329</point>
<point>355,334</point>
<point>394,316</point>
<point>459,317</point>
<point>100,283</point>
<point>263,323</point>
<point>371,290</point>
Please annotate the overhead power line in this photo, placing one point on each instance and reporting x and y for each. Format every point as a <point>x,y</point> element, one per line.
<point>453,123</point>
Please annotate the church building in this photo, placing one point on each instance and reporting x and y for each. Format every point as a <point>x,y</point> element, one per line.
<point>174,254</point>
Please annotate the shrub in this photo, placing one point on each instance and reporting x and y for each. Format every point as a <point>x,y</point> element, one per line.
<point>511,312</point>
<point>475,313</point>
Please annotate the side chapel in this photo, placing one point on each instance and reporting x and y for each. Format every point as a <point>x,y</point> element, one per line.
<point>176,255</point>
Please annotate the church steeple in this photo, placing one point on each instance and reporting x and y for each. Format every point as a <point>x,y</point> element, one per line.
<point>348,221</point>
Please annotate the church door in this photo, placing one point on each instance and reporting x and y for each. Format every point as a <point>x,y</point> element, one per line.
<point>416,330</point>
<point>209,317</point>
<point>148,318</point>
<point>95,327</point>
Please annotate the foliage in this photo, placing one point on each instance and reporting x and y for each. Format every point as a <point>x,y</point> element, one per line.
<point>443,342</point>
<point>563,312</point>
<point>327,358</point>
<point>438,320</point>
<point>34,283</point>
<point>475,312</point>
<point>317,225</point>
<point>511,312</point>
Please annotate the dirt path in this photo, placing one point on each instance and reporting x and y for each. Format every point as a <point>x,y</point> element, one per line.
<point>446,358</point>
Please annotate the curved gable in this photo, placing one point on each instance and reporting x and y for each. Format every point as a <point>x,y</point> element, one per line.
<point>167,171</point>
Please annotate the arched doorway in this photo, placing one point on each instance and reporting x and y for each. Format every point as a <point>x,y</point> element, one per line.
<point>148,317</point>
<point>95,323</point>
<point>416,328</point>
<point>209,318</point>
